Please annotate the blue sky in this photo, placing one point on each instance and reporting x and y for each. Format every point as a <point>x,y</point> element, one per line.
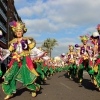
<point>64,20</point>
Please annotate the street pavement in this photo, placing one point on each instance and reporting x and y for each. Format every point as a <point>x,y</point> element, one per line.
<point>59,87</point>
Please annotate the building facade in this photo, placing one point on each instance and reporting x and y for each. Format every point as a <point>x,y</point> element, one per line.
<point>8,13</point>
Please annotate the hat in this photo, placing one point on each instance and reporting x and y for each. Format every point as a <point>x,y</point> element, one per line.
<point>15,25</point>
<point>71,46</point>
<point>95,34</point>
<point>98,26</point>
<point>84,38</point>
<point>63,54</point>
<point>77,46</point>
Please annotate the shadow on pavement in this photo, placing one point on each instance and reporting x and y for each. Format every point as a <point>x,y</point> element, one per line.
<point>19,92</point>
<point>22,90</point>
<point>89,85</point>
<point>86,83</point>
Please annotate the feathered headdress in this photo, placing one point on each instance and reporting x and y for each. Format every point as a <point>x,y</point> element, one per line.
<point>98,26</point>
<point>84,38</point>
<point>70,46</point>
<point>15,25</point>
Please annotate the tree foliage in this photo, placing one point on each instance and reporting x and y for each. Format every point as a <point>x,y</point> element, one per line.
<point>49,44</point>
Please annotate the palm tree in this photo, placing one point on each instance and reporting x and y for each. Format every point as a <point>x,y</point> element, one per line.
<point>49,44</point>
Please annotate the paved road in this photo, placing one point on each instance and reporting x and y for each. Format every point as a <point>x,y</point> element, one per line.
<point>59,87</point>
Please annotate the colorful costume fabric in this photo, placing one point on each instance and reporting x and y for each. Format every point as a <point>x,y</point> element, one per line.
<point>72,69</point>
<point>4,53</point>
<point>20,67</point>
<point>85,60</point>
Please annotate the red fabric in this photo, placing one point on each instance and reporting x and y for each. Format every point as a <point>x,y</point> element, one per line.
<point>11,63</point>
<point>49,66</point>
<point>91,63</point>
<point>20,64</point>
<point>29,63</point>
<point>98,61</point>
<point>81,60</point>
<point>53,67</point>
<point>44,64</point>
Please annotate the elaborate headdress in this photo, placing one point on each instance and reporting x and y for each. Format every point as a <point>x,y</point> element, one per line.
<point>98,26</point>
<point>84,38</point>
<point>95,34</point>
<point>62,55</point>
<point>15,25</point>
<point>70,46</point>
<point>77,46</point>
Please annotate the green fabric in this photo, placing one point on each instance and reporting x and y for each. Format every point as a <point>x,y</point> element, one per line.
<point>9,77</point>
<point>24,75</point>
<point>66,67</point>
<point>82,68</point>
<point>74,70</point>
<point>51,70</point>
<point>80,72</point>
<point>99,56</point>
<point>71,70</point>
<point>97,77</point>
<point>39,70</point>
<point>0,73</point>
<point>45,69</point>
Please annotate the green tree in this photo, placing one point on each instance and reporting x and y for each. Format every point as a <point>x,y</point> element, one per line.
<point>49,44</point>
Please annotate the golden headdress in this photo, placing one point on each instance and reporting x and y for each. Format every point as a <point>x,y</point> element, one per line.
<point>71,46</point>
<point>98,27</point>
<point>84,38</point>
<point>15,25</point>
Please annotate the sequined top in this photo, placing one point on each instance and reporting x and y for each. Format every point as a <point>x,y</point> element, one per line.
<point>22,48</point>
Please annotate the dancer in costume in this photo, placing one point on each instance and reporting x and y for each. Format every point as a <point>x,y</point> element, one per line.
<point>45,65</point>
<point>20,67</point>
<point>4,53</point>
<point>71,62</point>
<point>78,57</point>
<point>94,40</point>
<point>85,58</point>
<point>64,59</point>
<point>36,56</point>
<point>97,63</point>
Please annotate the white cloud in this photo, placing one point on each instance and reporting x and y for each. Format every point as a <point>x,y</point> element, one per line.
<point>33,35</point>
<point>69,11</point>
<point>89,30</point>
<point>62,47</point>
<point>54,16</point>
<point>25,11</point>
<point>40,25</point>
